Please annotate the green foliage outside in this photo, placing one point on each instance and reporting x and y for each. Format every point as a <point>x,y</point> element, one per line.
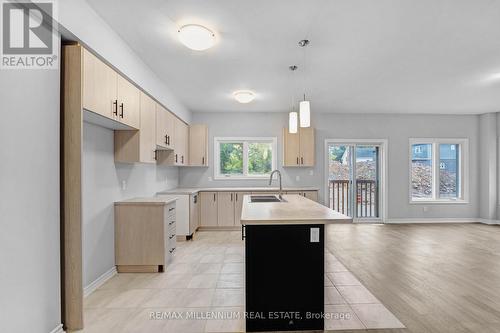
<point>259,158</point>
<point>231,158</point>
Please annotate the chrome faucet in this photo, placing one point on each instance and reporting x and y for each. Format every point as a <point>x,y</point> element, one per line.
<point>279,177</point>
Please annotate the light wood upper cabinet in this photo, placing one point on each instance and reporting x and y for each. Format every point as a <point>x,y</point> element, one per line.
<point>139,146</point>
<point>169,129</point>
<point>298,148</point>
<point>225,209</point>
<point>238,206</point>
<point>291,148</point>
<point>208,209</point>
<point>99,86</point>
<point>198,145</point>
<point>128,102</point>
<point>164,128</point>
<point>181,145</point>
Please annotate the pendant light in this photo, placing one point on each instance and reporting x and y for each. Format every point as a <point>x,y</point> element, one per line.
<point>293,116</point>
<point>292,122</point>
<point>304,106</point>
<point>305,113</point>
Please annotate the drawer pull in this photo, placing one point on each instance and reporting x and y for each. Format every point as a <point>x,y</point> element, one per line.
<point>171,250</point>
<point>171,236</point>
<point>170,223</point>
<point>171,209</point>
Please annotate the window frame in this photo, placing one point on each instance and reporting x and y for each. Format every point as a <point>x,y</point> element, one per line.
<point>245,141</point>
<point>463,170</point>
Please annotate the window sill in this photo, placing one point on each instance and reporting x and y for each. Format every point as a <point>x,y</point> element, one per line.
<point>241,178</point>
<point>439,202</point>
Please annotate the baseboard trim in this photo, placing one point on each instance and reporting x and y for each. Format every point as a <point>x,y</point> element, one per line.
<point>432,220</point>
<point>58,329</point>
<point>99,281</point>
<point>489,222</point>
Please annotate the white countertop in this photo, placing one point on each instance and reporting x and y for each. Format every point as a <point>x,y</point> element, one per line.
<point>193,190</point>
<point>146,200</point>
<point>296,210</point>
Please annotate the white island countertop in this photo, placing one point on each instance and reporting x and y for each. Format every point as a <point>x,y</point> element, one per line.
<point>193,190</point>
<point>295,210</point>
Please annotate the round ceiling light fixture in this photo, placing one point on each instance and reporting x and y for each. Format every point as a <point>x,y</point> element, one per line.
<point>244,96</point>
<point>196,37</point>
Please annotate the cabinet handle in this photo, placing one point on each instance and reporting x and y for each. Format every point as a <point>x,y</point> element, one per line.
<point>155,155</point>
<point>297,160</point>
<point>231,197</point>
<point>170,223</point>
<point>301,160</point>
<point>172,236</point>
<point>203,160</point>
<point>214,197</point>
<point>121,110</point>
<point>115,104</point>
<point>166,139</point>
<point>171,209</point>
<point>175,158</point>
<point>236,196</point>
<point>182,159</point>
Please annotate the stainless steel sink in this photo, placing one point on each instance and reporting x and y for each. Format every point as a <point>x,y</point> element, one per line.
<point>266,198</point>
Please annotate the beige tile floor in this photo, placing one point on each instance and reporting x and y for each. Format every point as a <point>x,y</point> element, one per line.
<point>203,291</point>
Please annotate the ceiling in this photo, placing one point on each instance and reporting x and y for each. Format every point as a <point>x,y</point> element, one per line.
<point>365,56</point>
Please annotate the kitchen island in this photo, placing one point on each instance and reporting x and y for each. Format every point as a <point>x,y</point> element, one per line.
<point>284,262</point>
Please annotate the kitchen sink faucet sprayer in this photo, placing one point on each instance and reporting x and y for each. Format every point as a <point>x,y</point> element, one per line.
<point>279,177</point>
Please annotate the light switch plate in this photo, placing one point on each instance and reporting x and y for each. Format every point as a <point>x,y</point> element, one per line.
<point>314,235</point>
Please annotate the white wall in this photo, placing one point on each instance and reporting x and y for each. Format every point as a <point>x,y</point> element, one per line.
<point>102,186</point>
<point>396,128</point>
<point>29,201</point>
<point>488,166</point>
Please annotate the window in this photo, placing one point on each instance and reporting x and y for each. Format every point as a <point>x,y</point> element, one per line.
<point>240,158</point>
<point>437,170</point>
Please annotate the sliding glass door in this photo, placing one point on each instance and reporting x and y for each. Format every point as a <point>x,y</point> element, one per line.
<point>354,179</point>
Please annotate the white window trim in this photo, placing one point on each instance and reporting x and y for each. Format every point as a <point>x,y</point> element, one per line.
<point>463,170</point>
<point>245,140</point>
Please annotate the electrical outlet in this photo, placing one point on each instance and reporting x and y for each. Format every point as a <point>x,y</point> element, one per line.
<point>297,178</point>
<point>124,185</point>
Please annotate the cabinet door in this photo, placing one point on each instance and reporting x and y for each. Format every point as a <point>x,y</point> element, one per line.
<point>313,195</point>
<point>194,216</point>
<point>147,129</point>
<point>169,127</point>
<point>128,102</point>
<point>225,209</point>
<point>238,205</point>
<point>178,141</point>
<point>198,145</point>
<point>291,148</point>
<point>99,86</point>
<point>161,127</point>
<point>208,209</point>
<point>307,146</point>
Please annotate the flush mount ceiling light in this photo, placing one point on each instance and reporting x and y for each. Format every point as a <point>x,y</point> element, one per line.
<point>196,37</point>
<point>244,96</point>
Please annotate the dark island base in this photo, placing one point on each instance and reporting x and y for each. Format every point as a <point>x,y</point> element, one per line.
<point>284,278</point>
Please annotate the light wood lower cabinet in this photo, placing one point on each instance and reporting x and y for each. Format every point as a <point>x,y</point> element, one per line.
<point>145,239</point>
<point>208,211</point>
<point>225,209</point>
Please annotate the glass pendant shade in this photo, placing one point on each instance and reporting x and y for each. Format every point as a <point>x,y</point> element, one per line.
<point>292,122</point>
<point>305,114</point>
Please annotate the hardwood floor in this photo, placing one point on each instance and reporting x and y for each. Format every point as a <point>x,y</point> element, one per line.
<point>433,277</point>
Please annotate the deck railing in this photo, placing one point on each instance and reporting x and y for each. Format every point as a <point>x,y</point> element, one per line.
<point>366,197</point>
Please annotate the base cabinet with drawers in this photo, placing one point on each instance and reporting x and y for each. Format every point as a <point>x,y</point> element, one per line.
<point>145,234</point>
